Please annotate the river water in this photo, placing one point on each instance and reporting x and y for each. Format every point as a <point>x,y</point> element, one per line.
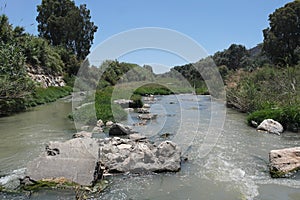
<point>234,167</point>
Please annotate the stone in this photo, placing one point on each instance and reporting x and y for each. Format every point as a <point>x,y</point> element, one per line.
<point>147,116</point>
<point>85,160</point>
<point>137,137</point>
<point>143,110</point>
<point>77,161</point>
<point>120,129</point>
<point>271,126</point>
<point>284,162</point>
<point>100,123</point>
<point>146,105</point>
<point>123,102</point>
<point>109,123</point>
<point>83,134</point>
<point>97,129</point>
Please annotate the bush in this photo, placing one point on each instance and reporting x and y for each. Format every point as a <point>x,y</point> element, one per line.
<point>153,89</point>
<point>289,117</point>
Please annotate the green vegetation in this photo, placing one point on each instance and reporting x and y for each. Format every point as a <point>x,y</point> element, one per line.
<point>263,81</point>
<point>154,89</point>
<point>66,34</point>
<point>281,39</point>
<point>64,24</point>
<point>47,95</point>
<point>272,89</point>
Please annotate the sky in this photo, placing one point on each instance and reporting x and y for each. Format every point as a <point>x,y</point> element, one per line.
<point>214,25</point>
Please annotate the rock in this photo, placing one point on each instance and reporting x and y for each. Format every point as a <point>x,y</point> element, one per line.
<point>120,129</point>
<point>284,162</point>
<point>146,105</point>
<point>97,129</point>
<point>141,156</point>
<point>137,137</point>
<point>85,160</point>
<point>254,124</point>
<point>143,110</point>
<point>141,123</point>
<point>147,116</point>
<point>123,102</point>
<point>83,134</point>
<point>109,123</point>
<point>271,126</point>
<point>100,123</point>
<point>77,161</point>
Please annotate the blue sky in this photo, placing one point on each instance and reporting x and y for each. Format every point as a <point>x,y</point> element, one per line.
<point>213,24</point>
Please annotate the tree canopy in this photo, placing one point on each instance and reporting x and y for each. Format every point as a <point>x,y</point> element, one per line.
<point>64,24</point>
<point>282,38</point>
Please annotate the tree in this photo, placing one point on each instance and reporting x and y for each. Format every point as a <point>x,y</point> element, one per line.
<point>15,84</point>
<point>232,57</point>
<point>62,23</point>
<point>282,38</point>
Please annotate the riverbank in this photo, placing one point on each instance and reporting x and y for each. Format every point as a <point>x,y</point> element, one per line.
<point>38,96</point>
<point>267,92</point>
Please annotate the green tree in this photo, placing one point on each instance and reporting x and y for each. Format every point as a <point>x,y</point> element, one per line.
<point>232,58</point>
<point>282,38</point>
<point>62,23</point>
<point>15,85</point>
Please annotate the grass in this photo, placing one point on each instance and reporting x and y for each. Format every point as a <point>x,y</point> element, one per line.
<point>267,93</point>
<point>47,95</point>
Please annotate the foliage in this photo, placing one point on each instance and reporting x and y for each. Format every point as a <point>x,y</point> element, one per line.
<point>15,85</point>
<point>46,95</point>
<point>289,116</point>
<point>153,89</point>
<point>282,39</point>
<point>233,57</point>
<point>268,87</point>
<point>62,23</point>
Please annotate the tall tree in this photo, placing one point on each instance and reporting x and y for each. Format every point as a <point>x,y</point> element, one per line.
<point>62,23</point>
<point>282,38</point>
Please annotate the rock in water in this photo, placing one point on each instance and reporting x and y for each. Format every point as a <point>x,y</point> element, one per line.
<point>75,159</point>
<point>78,160</point>
<point>120,129</point>
<point>271,126</point>
<point>284,162</point>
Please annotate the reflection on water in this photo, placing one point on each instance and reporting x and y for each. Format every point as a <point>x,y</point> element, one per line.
<point>236,168</point>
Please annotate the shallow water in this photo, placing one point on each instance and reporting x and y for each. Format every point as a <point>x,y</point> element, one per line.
<point>235,168</point>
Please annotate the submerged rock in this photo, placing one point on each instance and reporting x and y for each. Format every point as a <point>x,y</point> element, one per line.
<point>284,162</point>
<point>271,126</point>
<point>85,160</point>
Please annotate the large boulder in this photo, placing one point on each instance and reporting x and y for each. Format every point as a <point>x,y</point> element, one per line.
<point>118,129</point>
<point>83,160</point>
<point>284,162</point>
<point>124,155</point>
<point>76,160</point>
<point>271,126</point>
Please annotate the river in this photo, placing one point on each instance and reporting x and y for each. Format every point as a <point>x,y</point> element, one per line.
<point>235,167</point>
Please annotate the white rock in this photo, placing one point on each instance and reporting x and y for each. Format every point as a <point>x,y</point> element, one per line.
<point>271,126</point>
